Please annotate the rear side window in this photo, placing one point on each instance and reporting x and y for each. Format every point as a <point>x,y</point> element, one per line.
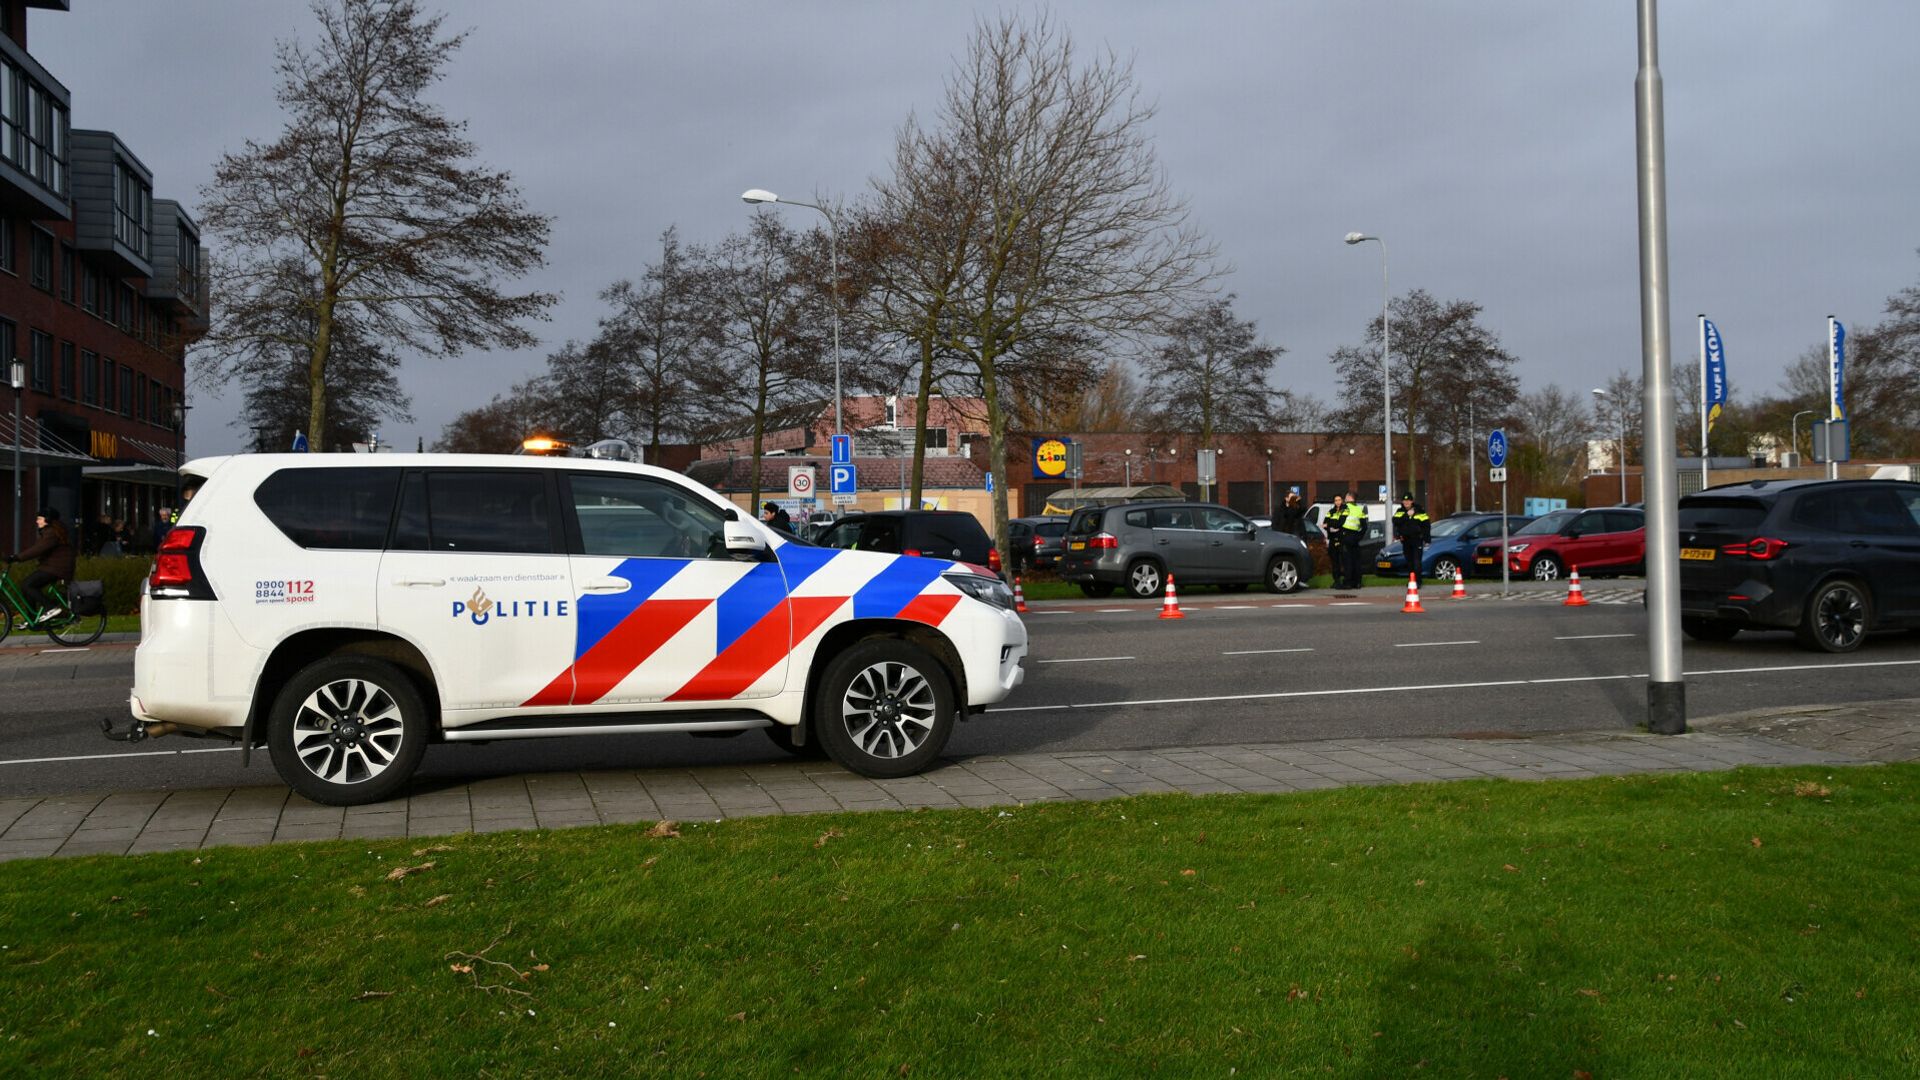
<point>1051,528</point>
<point>330,508</point>
<point>1623,520</point>
<point>956,533</point>
<point>505,511</point>
<point>1136,519</point>
<point>1721,515</point>
<point>1085,522</point>
<point>1859,511</point>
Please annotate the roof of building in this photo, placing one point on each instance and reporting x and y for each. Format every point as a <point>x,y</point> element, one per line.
<point>872,473</point>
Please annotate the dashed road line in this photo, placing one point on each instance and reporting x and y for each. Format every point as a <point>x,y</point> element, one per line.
<point>1084,659</point>
<point>1261,652</point>
<point>1589,637</point>
<point>1425,644</point>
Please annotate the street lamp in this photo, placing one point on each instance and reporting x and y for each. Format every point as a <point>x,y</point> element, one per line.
<point>17,375</point>
<point>1621,457</point>
<point>1269,483</point>
<point>1127,464</point>
<point>757,195</point>
<point>1793,432</point>
<point>1386,366</point>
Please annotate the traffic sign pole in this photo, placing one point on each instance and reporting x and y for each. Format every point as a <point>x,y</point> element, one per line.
<point>1497,462</point>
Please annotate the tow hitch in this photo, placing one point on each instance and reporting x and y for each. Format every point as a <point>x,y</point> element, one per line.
<point>138,730</point>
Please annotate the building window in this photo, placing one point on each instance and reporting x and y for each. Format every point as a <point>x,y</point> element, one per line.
<point>140,398</point>
<point>126,391</point>
<point>69,269</point>
<point>132,211</point>
<point>89,290</point>
<point>89,378</point>
<point>109,373</point>
<point>69,387</point>
<point>6,350</point>
<point>936,438</point>
<point>6,239</point>
<point>40,371</point>
<point>129,306</point>
<point>40,270</point>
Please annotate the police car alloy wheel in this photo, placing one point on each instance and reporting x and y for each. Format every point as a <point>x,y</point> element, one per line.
<point>884,709</point>
<point>1145,580</point>
<point>1837,618</point>
<point>347,730</point>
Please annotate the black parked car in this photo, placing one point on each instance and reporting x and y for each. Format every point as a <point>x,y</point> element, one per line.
<point>1828,559</point>
<point>1036,541</point>
<point>936,534</point>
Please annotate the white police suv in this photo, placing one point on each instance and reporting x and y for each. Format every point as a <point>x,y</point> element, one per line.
<point>346,611</point>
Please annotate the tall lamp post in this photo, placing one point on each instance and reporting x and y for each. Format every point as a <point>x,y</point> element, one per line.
<point>17,375</point>
<point>757,195</point>
<point>1127,464</point>
<point>1269,483</point>
<point>1793,432</point>
<point>1620,457</point>
<point>1386,367</point>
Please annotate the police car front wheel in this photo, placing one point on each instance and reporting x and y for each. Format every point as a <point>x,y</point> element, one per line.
<point>884,709</point>
<point>347,730</point>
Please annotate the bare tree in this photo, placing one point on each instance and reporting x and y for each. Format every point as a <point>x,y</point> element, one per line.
<point>372,192</point>
<point>1442,357</point>
<point>663,334</point>
<point>1621,408</point>
<point>1554,425</point>
<point>498,426</point>
<point>1881,391</point>
<point>1113,401</point>
<point>1211,375</point>
<point>1073,233</point>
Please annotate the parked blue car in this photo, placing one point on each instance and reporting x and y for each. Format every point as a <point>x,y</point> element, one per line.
<point>1451,546</point>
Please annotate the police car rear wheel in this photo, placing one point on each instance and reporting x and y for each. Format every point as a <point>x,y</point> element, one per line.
<point>347,730</point>
<point>884,709</point>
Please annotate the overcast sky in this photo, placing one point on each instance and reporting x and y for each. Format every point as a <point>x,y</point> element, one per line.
<point>1490,143</point>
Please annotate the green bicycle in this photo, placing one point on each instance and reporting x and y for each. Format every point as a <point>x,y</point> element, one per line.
<point>68,628</point>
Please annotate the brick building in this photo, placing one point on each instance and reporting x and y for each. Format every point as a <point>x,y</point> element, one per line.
<point>101,287</point>
<point>881,426</point>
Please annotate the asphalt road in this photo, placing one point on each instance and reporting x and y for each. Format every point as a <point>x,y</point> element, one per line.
<point>1102,675</point>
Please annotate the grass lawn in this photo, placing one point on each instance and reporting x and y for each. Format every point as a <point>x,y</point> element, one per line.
<point>1759,923</point>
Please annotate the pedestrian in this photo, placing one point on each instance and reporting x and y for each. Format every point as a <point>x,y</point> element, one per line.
<point>163,520</point>
<point>774,515</point>
<point>1411,524</point>
<point>1331,523</point>
<point>1293,516</point>
<point>1353,531</point>
<point>55,553</point>
<point>186,496</point>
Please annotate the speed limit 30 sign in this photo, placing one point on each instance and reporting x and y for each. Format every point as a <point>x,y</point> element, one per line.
<point>799,481</point>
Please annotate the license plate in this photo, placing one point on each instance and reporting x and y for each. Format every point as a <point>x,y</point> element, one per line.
<point>1078,545</point>
<point>1484,560</point>
<point>1702,554</point>
<point>1384,565</point>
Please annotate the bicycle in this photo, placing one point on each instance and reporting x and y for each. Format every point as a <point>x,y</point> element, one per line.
<point>67,628</point>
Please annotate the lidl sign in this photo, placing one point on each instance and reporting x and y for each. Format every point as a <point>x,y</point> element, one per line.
<point>1049,459</point>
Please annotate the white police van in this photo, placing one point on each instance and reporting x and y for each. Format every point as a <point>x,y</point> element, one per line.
<point>345,613</point>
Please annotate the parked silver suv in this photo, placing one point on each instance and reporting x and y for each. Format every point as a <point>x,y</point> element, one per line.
<point>1137,545</point>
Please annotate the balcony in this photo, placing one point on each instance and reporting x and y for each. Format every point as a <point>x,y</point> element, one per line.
<point>112,203</point>
<point>34,140</point>
<point>179,268</point>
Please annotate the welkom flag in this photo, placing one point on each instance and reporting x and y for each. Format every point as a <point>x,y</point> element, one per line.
<point>1714,351</point>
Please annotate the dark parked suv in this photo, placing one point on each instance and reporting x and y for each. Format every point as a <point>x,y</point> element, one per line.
<point>1138,545</point>
<point>1036,541</point>
<point>1828,559</point>
<point>937,534</point>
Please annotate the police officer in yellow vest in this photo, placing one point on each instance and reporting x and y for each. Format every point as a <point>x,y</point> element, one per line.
<point>1414,528</point>
<point>1353,529</point>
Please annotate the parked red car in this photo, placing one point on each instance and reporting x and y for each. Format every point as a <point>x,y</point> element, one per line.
<point>1610,540</point>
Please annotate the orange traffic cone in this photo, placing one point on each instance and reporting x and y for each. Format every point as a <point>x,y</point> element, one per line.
<point>1575,598</point>
<point>1019,596</point>
<point>1170,604</point>
<point>1459,584</point>
<point>1412,606</point>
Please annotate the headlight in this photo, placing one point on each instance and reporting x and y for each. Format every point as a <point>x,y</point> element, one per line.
<point>987,590</point>
<point>1517,548</point>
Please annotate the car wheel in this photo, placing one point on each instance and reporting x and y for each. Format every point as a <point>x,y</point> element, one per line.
<point>1836,619</point>
<point>347,730</point>
<point>1097,590</point>
<point>1283,575</point>
<point>781,735</point>
<point>1709,629</point>
<point>1546,568</point>
<point>884,709</point>
<point>1445,566</point>
<point>1145,580</point>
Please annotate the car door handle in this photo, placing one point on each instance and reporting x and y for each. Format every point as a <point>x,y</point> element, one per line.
<point>1856,543</point>
<point>419,583</point>
<point>1216,543</point>
<point>1163,540</point>
<point>609,585</point>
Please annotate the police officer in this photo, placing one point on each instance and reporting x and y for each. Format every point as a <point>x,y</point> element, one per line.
<point>1412,526</point>
<point>1353,529</point>
<point>1331,524</point>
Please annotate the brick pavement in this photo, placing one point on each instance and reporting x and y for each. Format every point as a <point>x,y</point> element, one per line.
<point>135,822</point>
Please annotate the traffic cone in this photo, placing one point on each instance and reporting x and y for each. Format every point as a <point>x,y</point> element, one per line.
<point>1019,596</point>
<point>1170,603</point>
<point>1575,598</point>
<point>1412,606</point>
<point>1459,584</point>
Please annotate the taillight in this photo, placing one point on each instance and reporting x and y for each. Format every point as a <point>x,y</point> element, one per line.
<point>1761,548</point>
<point>1104,542</point>
<point>1038,543</point>
<point>993,559</point>
<point>176,567</point>
<point>912,551</point>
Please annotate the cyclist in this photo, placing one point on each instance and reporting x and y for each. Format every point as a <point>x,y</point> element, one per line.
<point>55,553</point>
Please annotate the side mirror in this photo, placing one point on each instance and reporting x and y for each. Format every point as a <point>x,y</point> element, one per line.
<point>743,539</point>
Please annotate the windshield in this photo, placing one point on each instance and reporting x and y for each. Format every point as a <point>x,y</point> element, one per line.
<point>1450,527</point>
<point>1549,524</point>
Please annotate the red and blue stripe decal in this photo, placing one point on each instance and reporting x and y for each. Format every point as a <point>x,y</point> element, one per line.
<point>758,619</point>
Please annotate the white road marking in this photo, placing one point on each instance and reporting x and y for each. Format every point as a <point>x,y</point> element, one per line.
<point>1084,659</point>
<point>1053,613</point>
<point>1232,607</point>
<point>1589,637</point>
<point>1116,610</point>
<point>1349,603</point>
<point>1434,686</point>
<point>1424,644</point>
<point>1261,652</point>
<point>131,754</point>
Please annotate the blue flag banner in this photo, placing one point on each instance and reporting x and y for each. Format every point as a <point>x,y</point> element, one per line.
<point>1716,396</point>
<point>1837,367</point>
